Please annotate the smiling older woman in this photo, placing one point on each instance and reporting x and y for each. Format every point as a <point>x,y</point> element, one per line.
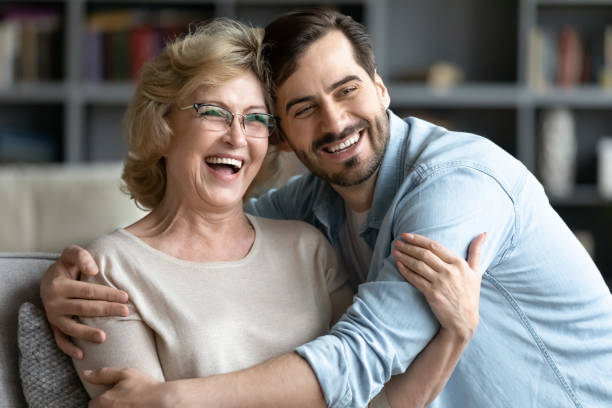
<point>211,289</point>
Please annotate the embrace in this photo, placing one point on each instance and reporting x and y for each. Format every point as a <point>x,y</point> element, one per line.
<point>367,282</point>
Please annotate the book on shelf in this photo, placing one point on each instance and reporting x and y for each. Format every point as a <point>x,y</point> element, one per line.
<point>567,57</point>
<point>22,145</point>
<point>30,44</point>
<point>119,42</point>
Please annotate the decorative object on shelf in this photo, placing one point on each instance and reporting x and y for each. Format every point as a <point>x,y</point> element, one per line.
<point>570,57</point>
<point>444,75</point>
<point>604,167</point>
<point>605,76</point>
<point>558,151</point>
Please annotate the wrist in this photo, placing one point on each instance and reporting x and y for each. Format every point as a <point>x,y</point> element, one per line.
<point>457,335</point>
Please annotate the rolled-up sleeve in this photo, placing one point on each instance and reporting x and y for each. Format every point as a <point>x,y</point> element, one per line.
<point>390,321</point>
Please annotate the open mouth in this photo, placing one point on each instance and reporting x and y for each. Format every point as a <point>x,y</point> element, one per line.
<point>224,165</point>
<point>339,147</point>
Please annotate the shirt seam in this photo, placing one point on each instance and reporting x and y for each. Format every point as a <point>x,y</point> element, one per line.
<point>426,170</point>
<point>536,338</point>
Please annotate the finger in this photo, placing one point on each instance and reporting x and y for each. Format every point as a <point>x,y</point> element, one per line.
<point>67,346</point>
<point>92,291</point>
<point>80,258</point>
<point>416,266</point>
<point>438,249</point>
<point>91,308</point>
<point>414,279</point>
<point>422,254</point>
<point>79,330</point>
<point>475,251</point>
<point>106,375</point>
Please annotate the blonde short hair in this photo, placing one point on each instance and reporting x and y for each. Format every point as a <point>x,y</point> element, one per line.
<point>209,55</point>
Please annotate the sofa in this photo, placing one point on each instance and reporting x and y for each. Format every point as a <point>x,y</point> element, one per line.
<point>20,275</point>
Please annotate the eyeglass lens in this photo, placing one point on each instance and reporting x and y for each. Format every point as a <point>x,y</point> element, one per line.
<point>253,124</point>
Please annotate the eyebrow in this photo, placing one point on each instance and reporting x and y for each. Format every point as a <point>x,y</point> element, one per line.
<point>330,88</point>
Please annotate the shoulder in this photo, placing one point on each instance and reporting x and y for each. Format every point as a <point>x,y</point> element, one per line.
<point>110,245</point>
<point>114,254</point>
<point>434,151</point>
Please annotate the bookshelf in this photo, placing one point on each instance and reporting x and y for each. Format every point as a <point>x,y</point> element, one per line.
<point>485,47</point>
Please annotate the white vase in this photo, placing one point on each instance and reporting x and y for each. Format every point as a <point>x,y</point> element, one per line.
<point>558,145</point>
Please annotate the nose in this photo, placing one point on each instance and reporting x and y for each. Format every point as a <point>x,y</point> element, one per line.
<point>235,133</point>
<point>333,117</point>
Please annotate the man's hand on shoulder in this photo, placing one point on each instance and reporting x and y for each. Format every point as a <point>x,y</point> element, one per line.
<point>64,297</point>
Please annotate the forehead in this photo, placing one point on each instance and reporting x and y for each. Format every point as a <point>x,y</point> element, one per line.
<point>328,59</point>
<point>244,89</point>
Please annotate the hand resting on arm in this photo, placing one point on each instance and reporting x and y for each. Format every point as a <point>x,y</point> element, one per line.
<point>451,286</point>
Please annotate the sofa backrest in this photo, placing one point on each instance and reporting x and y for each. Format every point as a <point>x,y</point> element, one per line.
<point>19,282</point>
<point>44,208</point>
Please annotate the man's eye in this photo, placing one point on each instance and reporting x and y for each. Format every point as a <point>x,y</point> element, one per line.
<point>304,110</point>
<point>349,90</point>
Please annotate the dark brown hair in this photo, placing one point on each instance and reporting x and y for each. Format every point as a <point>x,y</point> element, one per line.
<point>287,38</point>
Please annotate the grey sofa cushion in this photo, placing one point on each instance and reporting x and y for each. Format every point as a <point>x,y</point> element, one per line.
<point>19,282</point>
<point>47,375</point>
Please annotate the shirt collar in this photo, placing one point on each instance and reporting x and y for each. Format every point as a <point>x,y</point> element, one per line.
<point>391,173</point>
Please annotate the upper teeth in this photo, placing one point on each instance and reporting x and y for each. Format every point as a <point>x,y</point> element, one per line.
<point>224,160</point>
<point>351,141</point>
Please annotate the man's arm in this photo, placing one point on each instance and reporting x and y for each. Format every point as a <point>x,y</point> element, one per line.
<point>285,381</point>
<point>452,289</point>
<point>390,322</point>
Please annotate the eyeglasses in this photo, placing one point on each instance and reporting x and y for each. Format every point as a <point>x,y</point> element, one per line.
<point>217,118</point>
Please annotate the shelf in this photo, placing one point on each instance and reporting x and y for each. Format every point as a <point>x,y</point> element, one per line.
<point>583,195</point>
<point>557,3</point>
<point>116,93</point>
<point>468,95</point>
<point>34,92</point>
<point>587,96</point>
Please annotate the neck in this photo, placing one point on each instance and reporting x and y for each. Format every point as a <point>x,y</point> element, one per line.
<point>359,198</point>
<point>182,231</point>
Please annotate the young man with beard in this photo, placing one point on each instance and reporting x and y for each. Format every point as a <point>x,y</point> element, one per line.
<point>545,333</point>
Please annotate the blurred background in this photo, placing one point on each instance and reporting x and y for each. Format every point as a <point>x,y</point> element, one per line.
<point>534,76</point>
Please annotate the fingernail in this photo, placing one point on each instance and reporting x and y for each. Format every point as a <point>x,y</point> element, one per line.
<point>87,373</point>
<point>408,236</point>
<point>125,312</point>
<point>124,297</point>
<point>77,356</point>
<point>99,337</point>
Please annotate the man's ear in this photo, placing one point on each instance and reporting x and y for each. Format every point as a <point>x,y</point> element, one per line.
<point>383,94</point>
<point>284,146</point>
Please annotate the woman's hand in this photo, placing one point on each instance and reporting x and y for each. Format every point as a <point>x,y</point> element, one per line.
<point>64,296</point>
<point>130,388</point>
<point>449,283</point>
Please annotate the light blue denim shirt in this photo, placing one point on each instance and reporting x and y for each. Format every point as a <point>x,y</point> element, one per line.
<point>545,332</point>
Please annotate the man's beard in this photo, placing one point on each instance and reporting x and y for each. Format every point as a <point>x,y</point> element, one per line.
<point>355,170</point>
